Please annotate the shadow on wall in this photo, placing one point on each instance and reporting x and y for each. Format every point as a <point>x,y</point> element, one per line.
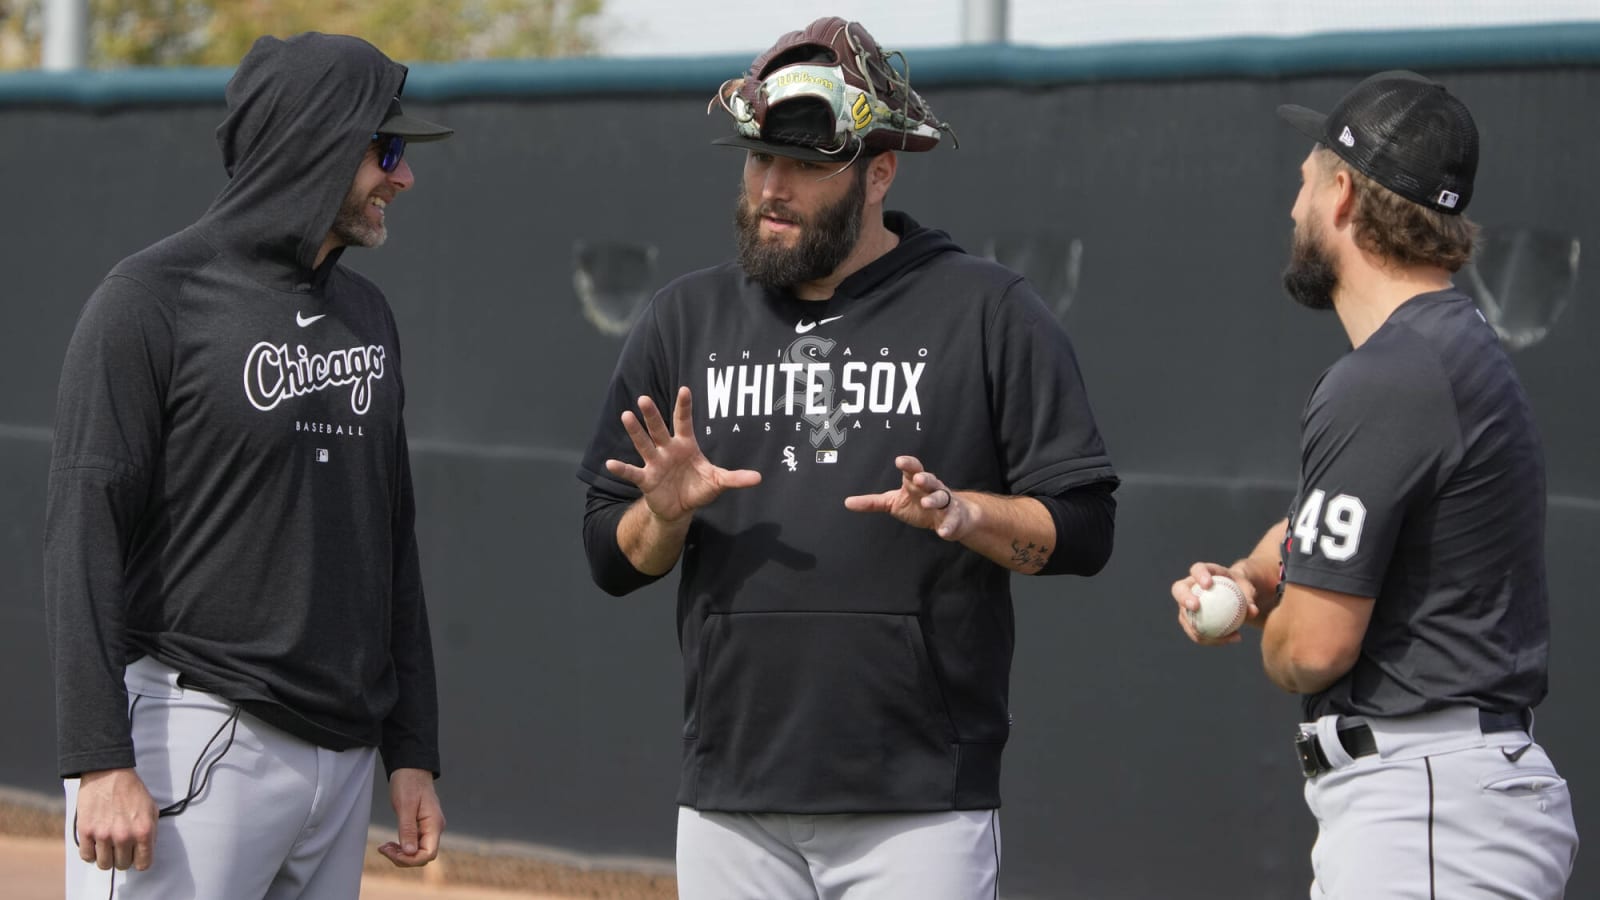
<point>1051,262</point>
<point>614,279</point>
<point>1523,279</point>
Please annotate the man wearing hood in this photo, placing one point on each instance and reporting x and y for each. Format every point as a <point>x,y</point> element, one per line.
<point>234,601</point>
<point>871,431</point>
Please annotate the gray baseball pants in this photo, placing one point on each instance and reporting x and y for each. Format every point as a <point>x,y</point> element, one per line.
<point>1441,812</point>
<point>774,856</point>
<point>276,818</point>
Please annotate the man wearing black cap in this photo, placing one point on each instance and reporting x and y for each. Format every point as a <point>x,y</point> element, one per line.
<point>234,602</point>
<point>1404,597</point>
<point>871,430</point>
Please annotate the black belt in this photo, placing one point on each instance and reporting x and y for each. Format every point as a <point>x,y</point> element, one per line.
<point>1358,741</point>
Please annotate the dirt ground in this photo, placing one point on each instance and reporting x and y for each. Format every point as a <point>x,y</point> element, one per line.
<point>30,868</point>
<point>32,860</point>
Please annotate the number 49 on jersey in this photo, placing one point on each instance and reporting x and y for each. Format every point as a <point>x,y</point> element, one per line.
<point>1342,520</point>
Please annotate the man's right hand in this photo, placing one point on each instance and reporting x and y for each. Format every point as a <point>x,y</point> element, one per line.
<point>116,820</point>
<point>1199,578</point>
<point>676,478</point>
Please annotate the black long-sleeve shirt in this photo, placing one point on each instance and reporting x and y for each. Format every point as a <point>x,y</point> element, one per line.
<point>230,491</point>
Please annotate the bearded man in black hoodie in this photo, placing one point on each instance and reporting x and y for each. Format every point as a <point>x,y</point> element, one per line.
<point>234,600</point>
<point>886,428</point>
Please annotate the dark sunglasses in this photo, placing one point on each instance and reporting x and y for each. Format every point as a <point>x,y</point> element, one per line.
<point>391,147</point>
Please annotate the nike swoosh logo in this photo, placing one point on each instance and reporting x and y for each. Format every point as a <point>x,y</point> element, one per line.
<point>303,321</point>
<point>1514,755</point>
<point>802,326</point>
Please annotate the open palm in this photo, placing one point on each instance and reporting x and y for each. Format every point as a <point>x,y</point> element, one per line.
<point>676,478</point>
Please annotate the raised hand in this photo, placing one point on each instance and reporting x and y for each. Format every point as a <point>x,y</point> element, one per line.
<point>676,478</point>
<point>922,500</point>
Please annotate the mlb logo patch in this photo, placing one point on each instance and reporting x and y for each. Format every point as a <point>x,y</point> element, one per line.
<point>827,456</point>
<point>1449,199</point>
<point>322,455</point>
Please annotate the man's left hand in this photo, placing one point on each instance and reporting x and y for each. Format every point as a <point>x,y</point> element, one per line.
<point>921,500</point>
<point>421,819</point>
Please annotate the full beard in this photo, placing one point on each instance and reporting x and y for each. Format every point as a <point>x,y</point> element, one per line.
<point>826,239</point>
<point>1311,276</point>
<point>352,227</point>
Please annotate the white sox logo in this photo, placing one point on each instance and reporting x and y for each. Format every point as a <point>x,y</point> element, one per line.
<point>819,383</point>
<point>272,374</point>
<point>826,423</point>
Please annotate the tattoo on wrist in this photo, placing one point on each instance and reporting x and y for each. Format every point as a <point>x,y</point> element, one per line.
<point>1029,557</point>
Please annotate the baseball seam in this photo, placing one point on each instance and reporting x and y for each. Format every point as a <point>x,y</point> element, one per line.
<point>1240,609</point>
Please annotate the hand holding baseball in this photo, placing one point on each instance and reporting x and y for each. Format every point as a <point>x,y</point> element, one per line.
<point>1213,601</point>
<point>921,500</point>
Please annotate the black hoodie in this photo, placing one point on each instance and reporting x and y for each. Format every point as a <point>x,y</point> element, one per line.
<point>230,491</point>
<point>834,661</point>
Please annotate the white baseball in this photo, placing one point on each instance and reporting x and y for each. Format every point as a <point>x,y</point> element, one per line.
<point>1222,609</point>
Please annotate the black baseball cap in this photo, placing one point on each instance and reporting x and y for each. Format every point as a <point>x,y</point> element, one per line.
<point>413,129</point>
<point>1404,131</point>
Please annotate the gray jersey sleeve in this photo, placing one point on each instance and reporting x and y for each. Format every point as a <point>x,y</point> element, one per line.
<point>1378,435</point>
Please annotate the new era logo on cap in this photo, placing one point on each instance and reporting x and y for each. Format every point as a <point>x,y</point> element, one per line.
<point>1417,139</point>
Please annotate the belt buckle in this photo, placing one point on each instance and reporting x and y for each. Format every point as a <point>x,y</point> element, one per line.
<point>1312,762</point>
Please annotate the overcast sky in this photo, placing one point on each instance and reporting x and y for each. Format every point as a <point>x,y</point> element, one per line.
<point>703,27</point>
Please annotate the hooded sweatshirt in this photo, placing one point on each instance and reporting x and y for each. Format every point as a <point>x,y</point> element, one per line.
<point>230,491</point>
<point>836,661</point>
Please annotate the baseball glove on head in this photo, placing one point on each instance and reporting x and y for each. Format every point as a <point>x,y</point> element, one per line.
<point>826,91</point>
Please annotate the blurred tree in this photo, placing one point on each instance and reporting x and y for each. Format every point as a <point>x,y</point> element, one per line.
<point>150,32</point>
<point>218,32</point>
<point>20,34</point>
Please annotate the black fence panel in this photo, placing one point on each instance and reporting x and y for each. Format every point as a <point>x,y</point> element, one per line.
<point>1153,214</point>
